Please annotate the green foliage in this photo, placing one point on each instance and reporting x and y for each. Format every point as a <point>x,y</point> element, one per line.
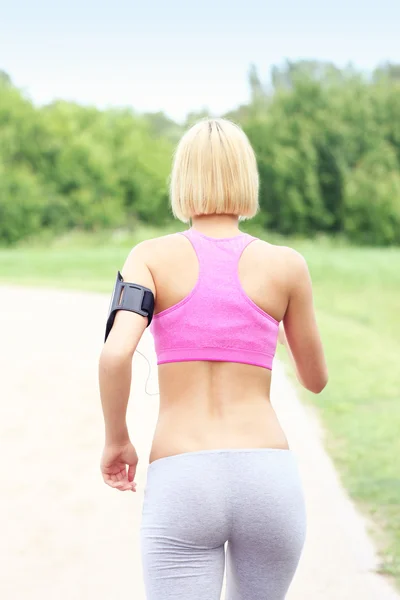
<point>327,142</point>
<point>162,126</point>
<point>65,166</point>
<point>372,213</point>
<point>195,116</point>
<point>328,149</point>
<point>21,204</point>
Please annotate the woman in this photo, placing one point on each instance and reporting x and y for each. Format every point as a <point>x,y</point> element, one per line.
<point>220,466</point>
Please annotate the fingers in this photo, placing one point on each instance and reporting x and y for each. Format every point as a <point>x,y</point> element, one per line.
<point>123,486</point>
<point>120,480</point>
<point>131,472</point>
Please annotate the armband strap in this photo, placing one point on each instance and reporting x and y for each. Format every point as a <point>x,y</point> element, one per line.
<point>132,297</point>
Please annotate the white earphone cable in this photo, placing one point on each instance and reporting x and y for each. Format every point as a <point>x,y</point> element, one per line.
<point>148,375</point>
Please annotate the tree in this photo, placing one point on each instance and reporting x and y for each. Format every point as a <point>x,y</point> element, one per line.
<point>387,71</point>
<point>372,207</point>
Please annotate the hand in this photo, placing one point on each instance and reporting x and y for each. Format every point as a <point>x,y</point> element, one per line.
<point>113,465</point>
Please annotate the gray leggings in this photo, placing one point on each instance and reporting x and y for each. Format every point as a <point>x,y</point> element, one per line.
<point>196,502</point>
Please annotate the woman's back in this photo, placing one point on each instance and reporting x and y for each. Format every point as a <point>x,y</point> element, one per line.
<point>207,403</point>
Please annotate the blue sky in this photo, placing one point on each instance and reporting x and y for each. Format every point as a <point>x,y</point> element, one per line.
<point>179,56</point>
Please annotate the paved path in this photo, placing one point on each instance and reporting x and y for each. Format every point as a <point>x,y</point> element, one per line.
<point>67,536</point>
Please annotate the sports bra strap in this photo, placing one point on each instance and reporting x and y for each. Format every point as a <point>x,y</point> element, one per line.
<point>220,255</point>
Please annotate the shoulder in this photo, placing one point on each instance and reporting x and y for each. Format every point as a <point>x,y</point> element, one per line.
<point>294,259</point>
<point>284,254</point>
<point>146,258</point>
<point>297,272</point>
<point>148,251</point>
<point>288,264</point>
<point>157,244</point>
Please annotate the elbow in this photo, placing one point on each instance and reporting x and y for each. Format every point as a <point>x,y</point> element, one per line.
<point>112,359</point>
<point>318,385</point>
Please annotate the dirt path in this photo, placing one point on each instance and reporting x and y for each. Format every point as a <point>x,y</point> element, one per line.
<point>66,535</point>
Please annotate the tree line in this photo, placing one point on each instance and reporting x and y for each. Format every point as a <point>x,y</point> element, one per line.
<point>327,142</point>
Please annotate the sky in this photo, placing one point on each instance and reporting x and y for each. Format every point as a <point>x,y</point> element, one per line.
<point>178,55</point>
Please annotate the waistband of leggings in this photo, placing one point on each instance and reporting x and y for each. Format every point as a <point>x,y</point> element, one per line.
<point>281,452</point>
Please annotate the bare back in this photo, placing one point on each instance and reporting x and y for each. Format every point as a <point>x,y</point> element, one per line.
<point>204,404</point>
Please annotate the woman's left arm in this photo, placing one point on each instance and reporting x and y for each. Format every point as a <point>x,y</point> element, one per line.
<point>115,371</point>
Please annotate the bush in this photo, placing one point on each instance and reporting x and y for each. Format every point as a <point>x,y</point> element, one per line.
<point>372,199</point>
<point>22,201</point>
<point>327,143</point>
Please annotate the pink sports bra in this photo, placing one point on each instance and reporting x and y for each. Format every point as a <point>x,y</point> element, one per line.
<point>217,321</point>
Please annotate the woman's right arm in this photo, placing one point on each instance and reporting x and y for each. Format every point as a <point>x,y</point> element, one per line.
<point>301,335</point>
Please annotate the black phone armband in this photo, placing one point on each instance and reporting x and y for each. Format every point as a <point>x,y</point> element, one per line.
<point>132,297</point>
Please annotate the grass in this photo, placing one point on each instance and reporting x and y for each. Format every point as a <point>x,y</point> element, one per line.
<point>76,260</point>
<point>357,294</point>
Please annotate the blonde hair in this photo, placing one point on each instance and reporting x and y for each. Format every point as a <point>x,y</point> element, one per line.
<point>214,172</point>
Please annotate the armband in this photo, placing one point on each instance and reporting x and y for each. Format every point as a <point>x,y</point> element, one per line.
<point>132,297</point>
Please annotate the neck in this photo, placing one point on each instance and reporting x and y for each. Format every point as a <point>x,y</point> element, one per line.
<point>216,225</point>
